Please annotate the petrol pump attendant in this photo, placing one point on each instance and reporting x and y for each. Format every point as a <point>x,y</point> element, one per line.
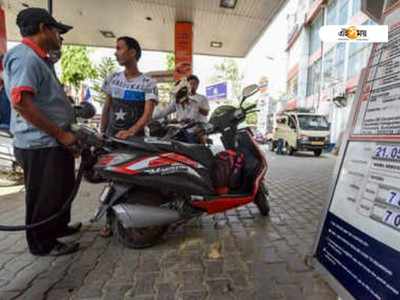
<point>40,119</point>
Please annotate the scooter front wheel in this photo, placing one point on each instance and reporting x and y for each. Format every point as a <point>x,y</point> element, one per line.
<point>261,200</point>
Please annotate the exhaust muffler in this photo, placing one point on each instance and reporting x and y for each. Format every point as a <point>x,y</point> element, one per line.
<point>138,215</point>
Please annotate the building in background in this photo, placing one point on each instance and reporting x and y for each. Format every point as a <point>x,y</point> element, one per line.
<point>324,76</point>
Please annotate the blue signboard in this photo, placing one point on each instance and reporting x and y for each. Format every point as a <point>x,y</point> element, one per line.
<point>217,91</point>
<point>364,266</point>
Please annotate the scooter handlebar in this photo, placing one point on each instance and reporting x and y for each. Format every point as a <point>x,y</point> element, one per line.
<point>87,136</point>
<point>249,108</point>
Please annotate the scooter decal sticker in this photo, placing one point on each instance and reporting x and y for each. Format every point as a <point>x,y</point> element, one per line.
<point>164,164</point>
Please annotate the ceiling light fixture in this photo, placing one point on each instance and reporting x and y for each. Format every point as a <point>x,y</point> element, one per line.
<point>228,4</point>
<point>107,34</point>
<point>215,44</point>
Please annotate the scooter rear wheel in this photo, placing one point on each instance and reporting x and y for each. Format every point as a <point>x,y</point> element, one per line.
<point>139,238</point>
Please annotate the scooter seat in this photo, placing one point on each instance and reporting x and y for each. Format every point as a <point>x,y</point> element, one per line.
<point>199,153</point>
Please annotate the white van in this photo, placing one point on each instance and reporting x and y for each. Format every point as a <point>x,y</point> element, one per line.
<point>301,131</point>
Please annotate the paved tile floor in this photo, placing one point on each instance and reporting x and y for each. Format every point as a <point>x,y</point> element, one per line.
<point>237,255</point>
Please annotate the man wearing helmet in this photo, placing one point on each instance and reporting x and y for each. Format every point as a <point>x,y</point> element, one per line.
<point>185,102</point>
<point>186,107</point>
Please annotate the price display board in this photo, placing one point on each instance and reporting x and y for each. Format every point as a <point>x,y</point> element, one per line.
<point>358,244</point>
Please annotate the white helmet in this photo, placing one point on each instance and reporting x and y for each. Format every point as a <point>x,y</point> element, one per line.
<point>181,90</point>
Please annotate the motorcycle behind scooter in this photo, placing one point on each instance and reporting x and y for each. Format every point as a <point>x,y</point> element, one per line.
<point>154,184</point>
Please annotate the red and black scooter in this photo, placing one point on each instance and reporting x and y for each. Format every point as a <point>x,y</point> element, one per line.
<point>154,183</point>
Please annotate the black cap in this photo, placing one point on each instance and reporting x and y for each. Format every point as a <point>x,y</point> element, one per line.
<point>34,16</point>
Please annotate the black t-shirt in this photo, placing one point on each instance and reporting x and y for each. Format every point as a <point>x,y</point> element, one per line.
<point>128,100</point>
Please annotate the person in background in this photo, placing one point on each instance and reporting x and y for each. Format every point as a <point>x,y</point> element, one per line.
<point>204,106</point>
<point>131,98</point>
<point>187,106</point>
<point>194,106</point>
<point>338,144</point>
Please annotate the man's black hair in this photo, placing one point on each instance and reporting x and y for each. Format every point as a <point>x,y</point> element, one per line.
<point>132,44</point>
<point>193,77</point>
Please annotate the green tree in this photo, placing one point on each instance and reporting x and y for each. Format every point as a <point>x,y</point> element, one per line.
<point>105,68</point>
<point>164,89</point>
<point>170,61</point>
<point>228,71</point>
<point>76,66</point>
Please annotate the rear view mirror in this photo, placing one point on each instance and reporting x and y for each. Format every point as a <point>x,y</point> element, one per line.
<point>250,90</point>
